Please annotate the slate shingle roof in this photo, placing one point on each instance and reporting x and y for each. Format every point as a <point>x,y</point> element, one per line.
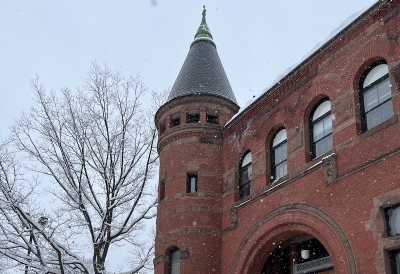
<point>202,73</point>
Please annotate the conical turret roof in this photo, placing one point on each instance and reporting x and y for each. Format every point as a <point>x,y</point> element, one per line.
<point>202,72</point>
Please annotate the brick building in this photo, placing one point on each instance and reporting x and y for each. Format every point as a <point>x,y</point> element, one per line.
<point>305,180</point>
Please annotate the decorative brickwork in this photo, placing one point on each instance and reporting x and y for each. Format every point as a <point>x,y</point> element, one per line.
<point>289,220</point>
<point>337,199</point>
<point>330,169</point>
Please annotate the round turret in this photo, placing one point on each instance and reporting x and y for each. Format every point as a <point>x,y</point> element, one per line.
<point>190,123</point>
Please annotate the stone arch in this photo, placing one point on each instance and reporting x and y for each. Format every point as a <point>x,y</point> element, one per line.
<point>310,98</point>
<point>288,221</point>
<point>175,243</point>
<point>374,50</point>
<point>282,116</point>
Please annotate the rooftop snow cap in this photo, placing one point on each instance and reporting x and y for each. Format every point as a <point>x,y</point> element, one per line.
<point>202,72</point>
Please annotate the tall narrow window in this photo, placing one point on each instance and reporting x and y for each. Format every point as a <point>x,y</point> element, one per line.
<point>174,265</point>
<point>191,183</point>
<point>375,95</point>
<point>321,129</point>
<point>161,190</point>
<point>245,175</point>
<point>279,155</point>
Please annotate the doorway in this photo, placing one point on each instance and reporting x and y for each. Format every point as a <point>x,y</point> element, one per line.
<point>300,254</point>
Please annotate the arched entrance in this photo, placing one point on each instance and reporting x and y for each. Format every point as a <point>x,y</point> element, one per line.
<point>290,224</point>
<point>299,254</point>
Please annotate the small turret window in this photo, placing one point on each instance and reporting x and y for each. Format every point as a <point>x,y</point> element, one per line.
<point>191,183</point>
<point>175,122</point>
<point>174,265</point>
<point>193,118</point>
<point>161,191</point>
<point>213,119</point>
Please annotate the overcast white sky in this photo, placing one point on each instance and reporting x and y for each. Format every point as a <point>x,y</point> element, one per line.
<point>57,40</point>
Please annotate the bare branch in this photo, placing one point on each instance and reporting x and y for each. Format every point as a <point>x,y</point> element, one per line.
<point>95,149</point>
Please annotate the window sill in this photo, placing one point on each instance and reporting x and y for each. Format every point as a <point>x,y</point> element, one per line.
<point>378,128</point>
<point>281,179</point>
<point>317,162</point>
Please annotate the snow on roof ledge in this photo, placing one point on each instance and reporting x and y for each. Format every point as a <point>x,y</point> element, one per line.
<point>287,73</point>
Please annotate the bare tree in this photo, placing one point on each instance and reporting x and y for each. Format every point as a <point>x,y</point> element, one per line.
<point>96,147</point>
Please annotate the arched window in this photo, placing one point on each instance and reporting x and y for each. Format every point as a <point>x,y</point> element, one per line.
<point>174,265</point>
<point>245,175</point>
<point>375,95</point>
<point>321,129</point>
<point>279,155</point>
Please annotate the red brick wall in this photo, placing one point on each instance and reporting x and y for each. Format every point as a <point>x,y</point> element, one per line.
<point>367,164</point>
<point>332,201</point>
<point>191,221</point>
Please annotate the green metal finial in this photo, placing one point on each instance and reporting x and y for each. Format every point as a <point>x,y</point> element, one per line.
<point>203,33</point>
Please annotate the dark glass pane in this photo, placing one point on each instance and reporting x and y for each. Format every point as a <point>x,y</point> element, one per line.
<point>281,170</point>
<point>176,122</point>
<point>323,145</point>
<point>162,190</point>
<point>327,125</point>
<point>245,181</point>
<point>322,128</point>
<point>192,183</point>
<point>387,110</point>
<point>384,91</point>
<point>318,131</point>
<point>280,153</point>
<point>174,262</point>
<point>193,118</point>
<point>244,178</point>
<point>371,98</point>
<point>380,114</point>
<point>395,261</point>
<point>213,119</point>
<point>245,190</point>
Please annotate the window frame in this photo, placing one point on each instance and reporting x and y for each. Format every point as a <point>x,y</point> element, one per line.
<point>212,119</point>
<point>312,123</point>
<point>272,154</point>
<point>387,220</point>
<point>392,257</point>
<point>192,117</point>
<point>161,189</point>
<point>170,260</point>
<point>242,169</point>
<point>189,182</point>
<point>363,90</point>
<point>175,121</point>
